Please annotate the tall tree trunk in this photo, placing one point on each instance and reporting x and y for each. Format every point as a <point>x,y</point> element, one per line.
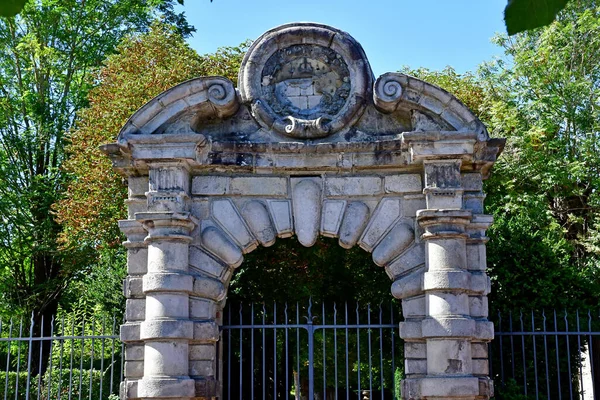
<point>45,268</point>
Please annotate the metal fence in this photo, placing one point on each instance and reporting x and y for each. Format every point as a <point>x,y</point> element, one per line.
<point>311,351</point>
<point>547,355</point>
<point>76,359</point>
<point>305,351</point>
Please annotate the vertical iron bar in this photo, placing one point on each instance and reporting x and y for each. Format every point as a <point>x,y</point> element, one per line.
<point>311,356</point>
<point>112,354</point>
<point>557,358</point>
<point>335,363</point>
<point>251,349</point>
<point>18,358</point>
<point>358,345</point>
<point>347,374</point>
<point>512,344</point>
<point>297,348</point>
<point>10,329</point>
<point>546,356</point>
<point>591,348</point>
<point>242,353</point>
<point>29,357</point>
<point>40,359</point>
<point>61,353</point>
<point>381,382</point>
<point>579,354</point>
<point>264,364</point>
<point>501,350</point>
<point>274,351</point>
<point>229,351</point>
<point>523,355</point>
<point>393,350</point>
<point>535,372</point>
<point>71,357</point>
<point>287,354</point>
<point>369,340</point>
<point>324,354</point>
<point>102,355</point>
<point>50,361</point>
<point>569,356</point>
<point>81,356</point>
<point>92,359</point>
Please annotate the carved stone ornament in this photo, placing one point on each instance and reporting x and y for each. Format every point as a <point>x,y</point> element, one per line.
<point>305,80</point>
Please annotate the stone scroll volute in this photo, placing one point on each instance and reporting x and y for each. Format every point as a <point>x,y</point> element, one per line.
<point>309,144</point>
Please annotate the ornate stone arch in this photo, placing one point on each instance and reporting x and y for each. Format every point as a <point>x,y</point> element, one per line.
<point>309,144</point>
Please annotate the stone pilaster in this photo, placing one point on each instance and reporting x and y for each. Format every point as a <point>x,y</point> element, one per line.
<point>453,327</point>
<point>166,329</point>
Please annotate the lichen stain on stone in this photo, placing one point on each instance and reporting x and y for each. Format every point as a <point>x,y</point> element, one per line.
<point>454,366</point>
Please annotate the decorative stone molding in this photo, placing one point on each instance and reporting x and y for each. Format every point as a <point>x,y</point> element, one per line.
<point>305,80</point>
<point>311,148</point>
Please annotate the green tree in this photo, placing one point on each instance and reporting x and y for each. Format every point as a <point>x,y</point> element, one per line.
<point>142,67</point>
<point>544,191</point>
<point>48,54</point>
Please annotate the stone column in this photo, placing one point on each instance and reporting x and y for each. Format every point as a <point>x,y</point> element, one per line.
<point>449,328</point>
<point>167,328</point>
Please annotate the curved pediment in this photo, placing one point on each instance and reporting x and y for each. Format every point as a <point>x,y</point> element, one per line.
<point>306,89</point>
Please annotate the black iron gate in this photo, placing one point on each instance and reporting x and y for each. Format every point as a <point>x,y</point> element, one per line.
<point>311,352</point>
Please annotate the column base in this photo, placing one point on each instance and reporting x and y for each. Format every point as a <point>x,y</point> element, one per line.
<point>447,387</point>
<point>164,388</point>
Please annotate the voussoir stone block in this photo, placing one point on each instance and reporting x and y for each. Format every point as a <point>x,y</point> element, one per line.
<point>408,286</point>
<point>394,243</point>
<point>209,288</point>
<point>307,211</point>
<point>220,245</point>
<point>257,217</point>
<point>355,220</point>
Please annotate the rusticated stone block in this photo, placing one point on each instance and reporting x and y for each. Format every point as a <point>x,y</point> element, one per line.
<point>353,186</point>
<point>166,329</point>
<point>403,183</point>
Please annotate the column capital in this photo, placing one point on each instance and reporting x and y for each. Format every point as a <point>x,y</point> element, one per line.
<point>167,225</point>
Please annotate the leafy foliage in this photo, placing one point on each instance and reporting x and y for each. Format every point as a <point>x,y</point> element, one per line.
<point>544,191</point>
<point>143,67</point>
<point>522,15</point>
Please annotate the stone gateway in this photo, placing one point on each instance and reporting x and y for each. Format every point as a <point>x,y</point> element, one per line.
<point>309,144</point>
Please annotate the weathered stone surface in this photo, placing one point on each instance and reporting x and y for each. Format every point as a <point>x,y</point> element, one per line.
<point>311,147</point>
<point>355,220</point>
<point>353,186</point>
<point>307,211</point>
<point>383,218</point>
<point>405,183</point>
<point>412,258</point>
<point>226,214</point>
<point>408,286</point>
<point>281,211</point>
<point>257,217</point>
<point>331,218</point>
<point>449,357</point>
<point>395,242</point>
<point>202,262</point>
<point>218,244</point>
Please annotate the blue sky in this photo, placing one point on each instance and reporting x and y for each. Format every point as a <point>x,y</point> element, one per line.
<point>417,33</point>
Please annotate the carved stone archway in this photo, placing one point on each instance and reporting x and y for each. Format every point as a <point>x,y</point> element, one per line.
<point>308,145</point>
